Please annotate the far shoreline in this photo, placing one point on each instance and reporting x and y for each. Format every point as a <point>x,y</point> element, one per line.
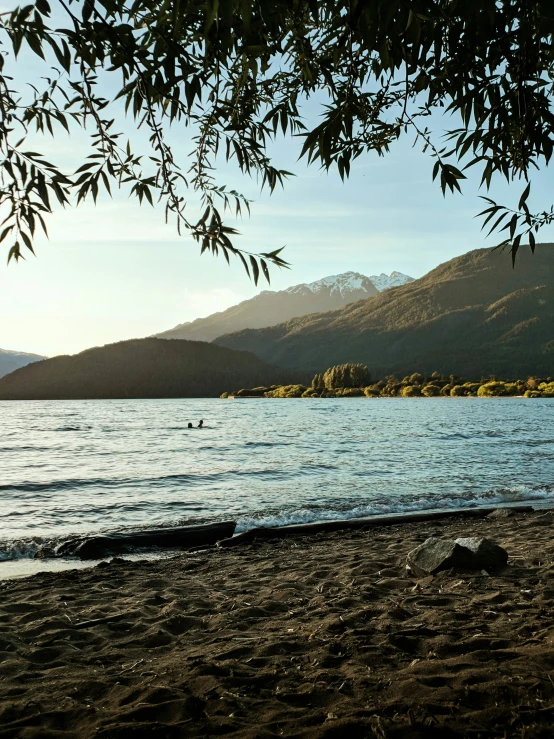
<point>258,397</point>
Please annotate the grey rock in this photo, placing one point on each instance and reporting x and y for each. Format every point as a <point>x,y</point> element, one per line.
<point>435,555</point>
<point>486,554</point>
<point>501,513</point>
<point>472,553</point>
<point>509,512</point>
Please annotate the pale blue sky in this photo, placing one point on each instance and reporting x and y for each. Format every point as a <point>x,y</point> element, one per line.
<point>117,271</point>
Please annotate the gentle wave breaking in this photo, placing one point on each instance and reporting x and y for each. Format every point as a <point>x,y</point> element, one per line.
<point>45,548</point>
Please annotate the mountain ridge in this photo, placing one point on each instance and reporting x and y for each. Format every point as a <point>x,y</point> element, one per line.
<point>270,307</point>
<point>11,360</point>
<point>472,315</point>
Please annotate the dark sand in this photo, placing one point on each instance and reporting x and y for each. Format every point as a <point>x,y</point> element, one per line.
<point>321,636</point>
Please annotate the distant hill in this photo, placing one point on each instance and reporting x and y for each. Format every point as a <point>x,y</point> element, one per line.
<point>141,368</point>
<point>271,307</point>
<point>471,316</point>
<point>10,361</point>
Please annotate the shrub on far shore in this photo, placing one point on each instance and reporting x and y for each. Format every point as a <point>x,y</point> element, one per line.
<point>431,391</point>
<point>350,392</point>
<point>287,391</point>
<point>414,385</point>
<point>251,392</point>
<point>493,389</point>
<point>410,391</point>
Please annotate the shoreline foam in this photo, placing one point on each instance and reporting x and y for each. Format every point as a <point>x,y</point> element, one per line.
<point>26,566</point>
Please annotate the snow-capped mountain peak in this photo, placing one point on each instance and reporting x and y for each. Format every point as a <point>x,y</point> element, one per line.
<point>384,282</point>
<point>269,307</point>
<point>352,282</point>
<point>344,284</point>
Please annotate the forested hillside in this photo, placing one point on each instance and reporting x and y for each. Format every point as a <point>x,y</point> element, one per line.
<point>142,368</point>
<point>473,316</point>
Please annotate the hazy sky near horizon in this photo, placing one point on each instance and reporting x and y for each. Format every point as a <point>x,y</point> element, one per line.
<point>117,271</point>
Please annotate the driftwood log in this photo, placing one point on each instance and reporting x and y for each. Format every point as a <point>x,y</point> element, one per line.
<point>282,532</point>
<point>185,537</point>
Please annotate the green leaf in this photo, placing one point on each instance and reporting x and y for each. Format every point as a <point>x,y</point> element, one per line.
<point>15,253</point>
<point>255,269</point>
<point>524,196</point>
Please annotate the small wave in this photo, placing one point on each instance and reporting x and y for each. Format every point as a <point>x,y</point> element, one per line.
<point>45,547</point>
<point>126,482</point>
<point>20,549</point>
<point>73,428</point>
<point>14,449</point>
<point>267,443</point>
<point>312,514</point>
<point>54,485</point>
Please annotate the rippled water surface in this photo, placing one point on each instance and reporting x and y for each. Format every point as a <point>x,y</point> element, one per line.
<point>86,466</point>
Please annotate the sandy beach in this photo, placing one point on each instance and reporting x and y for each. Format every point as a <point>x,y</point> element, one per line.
<point>320,636</point>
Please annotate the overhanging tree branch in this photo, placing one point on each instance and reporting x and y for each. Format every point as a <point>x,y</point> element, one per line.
<point>237,73</point>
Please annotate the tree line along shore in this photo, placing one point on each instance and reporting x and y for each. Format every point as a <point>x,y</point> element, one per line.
<point>354,380</point>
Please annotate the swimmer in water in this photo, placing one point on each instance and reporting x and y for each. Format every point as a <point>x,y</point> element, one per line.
<point>190,425</point>
<point>200,424</point>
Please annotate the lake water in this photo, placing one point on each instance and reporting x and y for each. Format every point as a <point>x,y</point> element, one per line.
<point>70,467</point>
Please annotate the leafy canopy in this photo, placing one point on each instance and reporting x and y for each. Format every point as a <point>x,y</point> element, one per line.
<point>238,72</point>
<point>348,375</point>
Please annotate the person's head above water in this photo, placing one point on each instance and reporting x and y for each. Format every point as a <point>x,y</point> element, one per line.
<point>190,425</point>
<point>200,424</point>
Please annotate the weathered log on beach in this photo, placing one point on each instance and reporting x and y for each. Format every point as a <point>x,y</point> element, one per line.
<point>282,532</point>
<point>184,537</point>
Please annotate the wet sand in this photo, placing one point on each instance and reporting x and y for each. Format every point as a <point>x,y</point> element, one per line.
<point>320,636</point>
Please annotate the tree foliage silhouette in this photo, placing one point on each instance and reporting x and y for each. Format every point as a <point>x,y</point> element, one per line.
<point>239,71</point>
<point>346,376</point>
